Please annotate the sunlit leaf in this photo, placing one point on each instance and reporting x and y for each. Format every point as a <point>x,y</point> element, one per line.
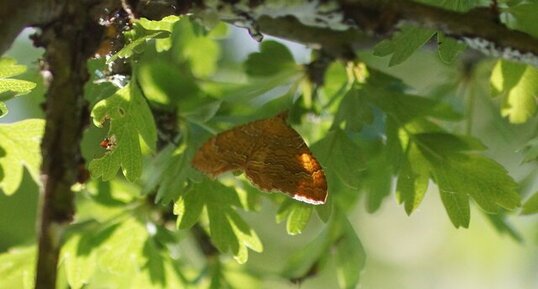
<point>10,87</point>
<point>17,268</point>
<point>296,214</point>
<point>131,123</point>
<point>19,148</point>
<point>79,261</point>
<point>531,205</point>
<point>272,59</point>
<point>227,229</point>
<point>518,84</point>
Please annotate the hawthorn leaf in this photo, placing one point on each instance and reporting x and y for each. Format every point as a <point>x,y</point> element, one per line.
<point>79,261</point>
<point>376,181</point>
<point>200,51</point>
<point>413,179</point>
<point>143,31</point>
<point>228,231</point>
<point>403,44</point>
<point>340,154</point>
<point>531,205</point>
<point>336,80</point>
<point>518,84</point>
<point>531,150</point>
<point>122,252</point>
<point>457,172</point>
<point>523,17</point>
<point>448,48</point>
<point>131,125</point>
<point>337,238</point>
<point>297,215</point>
<point>350,257</point>
<point>354,111</point>
<point>170,172</point>
<point>165,24</point>
<point>10,87</point>
<point>17,268</point>
<point>273,58</point>
<point>456,205</point>
<point>19,148</point>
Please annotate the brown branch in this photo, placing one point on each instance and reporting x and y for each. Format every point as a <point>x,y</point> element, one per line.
<point>68,41</point>
<point>480,28</point>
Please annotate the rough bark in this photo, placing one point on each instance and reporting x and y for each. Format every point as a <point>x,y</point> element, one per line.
<point>69,40</point>
<point>338,29</point>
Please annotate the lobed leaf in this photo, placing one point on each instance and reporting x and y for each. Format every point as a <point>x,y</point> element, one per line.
<point>227,229</point>
<point>19,148</point>
<point>273,58</point>
<point>296,214</point>
<point>17,268</point>
<point>518,84</point>
<point>531,205</point>
<point>131,125</point>
<point>10,87</point>
<point>403,44</point>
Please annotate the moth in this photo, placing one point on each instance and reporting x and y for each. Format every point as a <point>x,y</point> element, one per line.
<point>273,156</point>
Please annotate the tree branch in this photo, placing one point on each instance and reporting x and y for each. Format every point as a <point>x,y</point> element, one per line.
<point>68,42</point>
<point>480,28</point>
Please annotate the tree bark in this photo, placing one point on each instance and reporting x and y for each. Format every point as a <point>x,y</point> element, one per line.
<point>68,41</point>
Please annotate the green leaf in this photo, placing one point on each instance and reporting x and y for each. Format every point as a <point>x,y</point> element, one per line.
<point>20,145</point>
<point>350,257</point>
<point>531,150</point>
<point>142,32</point>
<point>3,109</point>
<point>335,80</point>
<point>518,84</point>
<point>403,44</point>
<point>137,44</point>
<point>79,261</point>
<point>449,48</point>
<point>337,153</point>
<point>523,18</point>
<point>339,238</point>
<point>131,124</point>
<point>456,204</point>
<point>200,51</point>
<point>297,215</point>
<point>17,268</point>
<point>376,180</point>
<point>164,84</point>
<point>154,264</point>
<point>531,205</point>
<point>413,179</point>
<point>227,229</point>
<point>169,173</point>
<point>121,252</point>
<point>273,58</point>
<point>165,24</point>
<point>407,107</point>
<point>354,110</point>
<point>483,179</point>
<point>12,87</point>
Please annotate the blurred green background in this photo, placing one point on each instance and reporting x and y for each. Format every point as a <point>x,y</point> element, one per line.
<point>422,251</point>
